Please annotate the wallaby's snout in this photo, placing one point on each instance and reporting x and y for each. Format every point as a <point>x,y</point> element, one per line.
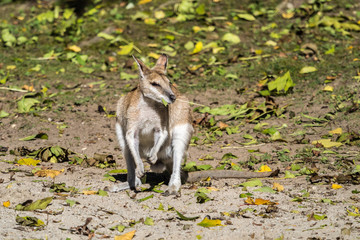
<point>172,97</point>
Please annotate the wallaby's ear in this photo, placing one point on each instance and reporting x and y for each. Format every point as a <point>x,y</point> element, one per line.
<point>161,63</point>
<point>143,69</point>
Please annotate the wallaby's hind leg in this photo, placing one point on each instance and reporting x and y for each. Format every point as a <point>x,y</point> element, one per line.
<point>180,140</point>
<point>132,180</point>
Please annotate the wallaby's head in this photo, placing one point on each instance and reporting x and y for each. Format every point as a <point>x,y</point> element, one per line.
<point>154,83</point>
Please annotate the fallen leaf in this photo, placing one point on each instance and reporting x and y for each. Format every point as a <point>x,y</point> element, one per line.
<point>223,125</point>
<point>198,47</point>
<point>39,204</point>
<point>231,38</point>
<point>36,136</point>
<point>182,217</point>
<point>264,168</point>
<point>336,131</point>
<point>89,192</point>
<point>149,221</point>
<point>210,222</point>
<point>48,173</point>
<point>288,15</point>
<point>246,16</point>
<point>6,204</point>
<point>28,161</point>
<point>74,48</point>
<point>144,1</point>
<point>252,183</point>
<point>328,88</point>
<point>29,221</point>
<point>126,236</point>
<point>153,55</point>
<point>258,201</point>
<point>125,50</point>
<point>336,186</point>
<point>278,187</point>
<point>307,70</point>
<point>327,143</point>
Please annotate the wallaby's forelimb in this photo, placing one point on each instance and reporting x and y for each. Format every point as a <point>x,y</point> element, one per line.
<point>191,177</point>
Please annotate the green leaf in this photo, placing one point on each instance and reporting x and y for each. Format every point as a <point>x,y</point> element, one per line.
<point>8,38</point>
<point>105,36</point>
<point>39,204</point>
<point>70,202</point>
<point>266,190</point>
<point>87,70</point>
<point>189,45</point>
<point>283,83</point>
<point>231,38</point>
<point>210,223</point>
<point>289,175</point>
<point>252,183</point>
<point>245,195</point>
<point>126,49</point>
<point>246,16</point>
<point>33,137</point>
<point>319,217</point>
<point>149,221</point>
<point>29,221</point>
<point>201,196</point>
<point>25,104</point>
<point>227,156</point>
<point>102,193</point>
<point>200,10</point>
<point>146,198</point>
<point>126,76</point>
<point>164,102</point>
<point>307,70</point>
<point>3,114</point>
<point>182,217</point>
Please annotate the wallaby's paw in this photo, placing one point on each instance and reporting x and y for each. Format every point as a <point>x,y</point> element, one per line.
<point>174,187</point>
<point>171,191</point>
<point>139,171</point>
<point>117,188</point>
<point>153,158</point>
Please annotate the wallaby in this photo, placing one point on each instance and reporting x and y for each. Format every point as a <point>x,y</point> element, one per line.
<point>153,122</point>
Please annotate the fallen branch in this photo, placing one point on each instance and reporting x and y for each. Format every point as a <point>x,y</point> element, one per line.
<point>191,177</point>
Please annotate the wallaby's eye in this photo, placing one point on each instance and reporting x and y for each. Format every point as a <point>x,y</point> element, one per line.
<point>155,84</point>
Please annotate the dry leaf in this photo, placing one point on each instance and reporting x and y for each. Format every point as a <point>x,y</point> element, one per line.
<point>336,131</point>
<point>223,125</point>
<point>327,143</point>
<point>89,192</point>
<point>144,1</point>
<point>6,204</point>
<point>48,173</point>
<point>278,187</point>
<point>74,48</point>
<point>258,201</point>
<point>336,186</point>
<point>126,236</point>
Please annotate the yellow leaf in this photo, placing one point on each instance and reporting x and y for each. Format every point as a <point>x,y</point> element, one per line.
<point>250,201</point>
<point>198,47</point>
<point>154,55</point>
<point>159,14</point>
<point>336,131</point>
<point>210,222</point>
<point>125,50</point>
<point>260,201</point>
<point>270,43</point>
<point>154,45</point>
<point>278,187</point>
<point>264,168</point>
<point>6,204</point>
<point>48,173</point>
<point>126,236</point>
<point>89,192</point>
<point>336,186</point>
<point>196,29</point>
<point>288,15</point>
<point>222,125</point>
<point>150,21</point>
<point>28,161</point>
<point>144,1</point>
<point>74,48</point>
<point>327,143</point>
<point>10,67</point>
<point>212,189</point>
<point>328,88</point>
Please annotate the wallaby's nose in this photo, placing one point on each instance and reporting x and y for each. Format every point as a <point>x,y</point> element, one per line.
<point>172,97</point>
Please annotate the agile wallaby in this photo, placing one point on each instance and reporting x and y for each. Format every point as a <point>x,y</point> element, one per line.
<point>147,129</point>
